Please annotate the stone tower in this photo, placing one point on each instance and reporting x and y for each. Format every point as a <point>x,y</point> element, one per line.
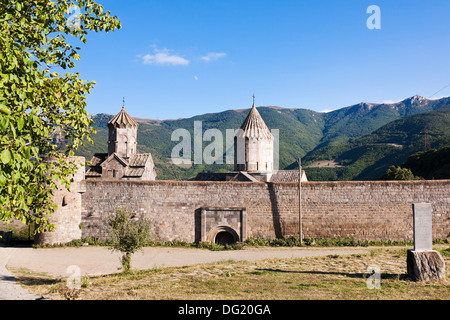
<point>255,150</point>
<point>122,138</point>
<point>67,217</point>
<point>253,147</point>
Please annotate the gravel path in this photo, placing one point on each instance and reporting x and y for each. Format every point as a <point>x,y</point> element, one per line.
<point>100,260</point>
<point>9,289</point>
<point>61,262</point>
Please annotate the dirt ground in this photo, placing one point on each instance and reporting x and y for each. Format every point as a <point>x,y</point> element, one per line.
<point>100,260</point>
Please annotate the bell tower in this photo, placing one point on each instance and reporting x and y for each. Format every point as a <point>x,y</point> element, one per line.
<point>254,145</point>
<point>122,137</point>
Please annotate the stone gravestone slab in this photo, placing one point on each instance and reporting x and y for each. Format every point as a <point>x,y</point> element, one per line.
<point>424,263</point>
<point>423,238</point>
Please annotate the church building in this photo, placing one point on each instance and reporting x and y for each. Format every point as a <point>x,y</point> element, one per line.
<point>254,155</point>
<point>122,162</point>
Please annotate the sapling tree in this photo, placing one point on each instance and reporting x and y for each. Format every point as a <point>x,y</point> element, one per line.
<point>128,234</point>
<point>39,98</point>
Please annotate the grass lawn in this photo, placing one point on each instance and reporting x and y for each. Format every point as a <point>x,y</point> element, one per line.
<point>330,277</point>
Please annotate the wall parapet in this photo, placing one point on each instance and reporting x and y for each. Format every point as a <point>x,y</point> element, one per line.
<point>306,183</point>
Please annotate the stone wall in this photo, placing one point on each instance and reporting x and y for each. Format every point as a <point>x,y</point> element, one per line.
<point>362,210</point>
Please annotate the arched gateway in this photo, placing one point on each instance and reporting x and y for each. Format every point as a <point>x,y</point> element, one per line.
<point>223,225</point>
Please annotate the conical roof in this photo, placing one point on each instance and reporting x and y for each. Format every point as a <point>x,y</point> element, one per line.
<point>122,120</point>
<point>254,126</point>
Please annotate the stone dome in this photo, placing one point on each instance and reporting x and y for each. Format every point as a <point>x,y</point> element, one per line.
<point>122,120</point>
<point>254,126</point>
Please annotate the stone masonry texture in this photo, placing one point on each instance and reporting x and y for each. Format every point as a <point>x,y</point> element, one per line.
<point>363,210</point>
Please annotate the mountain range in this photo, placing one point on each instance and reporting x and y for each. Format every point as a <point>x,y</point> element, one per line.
<point>358,142</point>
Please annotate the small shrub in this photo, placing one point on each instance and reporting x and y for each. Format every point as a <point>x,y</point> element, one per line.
<point>234,246</point>
<point>442,241</point>
<point>70,294</point>
<point>213,246</point>
<point>75,243</point>
<point>127,235</point>
<point>445,252</point>
<point>85,282</point>
<point>329,242</point>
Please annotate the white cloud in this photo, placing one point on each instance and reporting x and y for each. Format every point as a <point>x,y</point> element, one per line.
<point>164,58</point>
<point>437,98</point>
<point>213,56</point>
<point>195,78</point>
<point>390,101</point>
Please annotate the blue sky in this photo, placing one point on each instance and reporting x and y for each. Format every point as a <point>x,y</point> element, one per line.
<point>180,58</point>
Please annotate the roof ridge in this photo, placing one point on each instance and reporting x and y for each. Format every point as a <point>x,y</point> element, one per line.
<point>123,118</point>
<point>254,125</point>
<point>121,159</point>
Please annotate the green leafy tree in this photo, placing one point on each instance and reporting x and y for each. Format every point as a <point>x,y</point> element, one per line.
<point>37,100</point>
<point>399,173</point>
<point>128,234</point>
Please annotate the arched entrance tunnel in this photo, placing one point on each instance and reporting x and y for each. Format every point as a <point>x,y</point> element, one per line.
<point>223,235</point>
<point>224,238</point>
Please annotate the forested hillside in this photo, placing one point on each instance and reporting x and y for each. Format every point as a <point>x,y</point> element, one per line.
<point>359,141</point>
